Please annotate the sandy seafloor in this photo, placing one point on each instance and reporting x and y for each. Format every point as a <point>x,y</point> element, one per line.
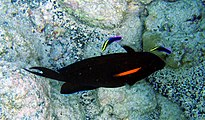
<point>56,33</point>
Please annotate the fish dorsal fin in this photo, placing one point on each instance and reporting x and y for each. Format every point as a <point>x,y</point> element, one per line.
<point>128,49</point>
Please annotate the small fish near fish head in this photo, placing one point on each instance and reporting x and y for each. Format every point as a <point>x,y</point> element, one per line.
<point>109,41</point>
<point>162,49</point>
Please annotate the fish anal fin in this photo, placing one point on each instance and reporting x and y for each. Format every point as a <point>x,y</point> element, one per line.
<point>69,88</point>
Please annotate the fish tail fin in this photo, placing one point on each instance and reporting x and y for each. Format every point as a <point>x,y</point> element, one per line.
<point>45,72</point>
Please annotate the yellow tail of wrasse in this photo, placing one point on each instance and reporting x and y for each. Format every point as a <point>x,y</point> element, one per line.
<point>104,46</point>
<point>153,49</point>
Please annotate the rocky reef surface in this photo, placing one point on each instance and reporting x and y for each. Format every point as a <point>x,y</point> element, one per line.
<point>54,34</point>
<point>182,81</point>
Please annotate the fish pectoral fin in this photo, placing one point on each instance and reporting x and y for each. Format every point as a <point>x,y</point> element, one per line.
<point>128,49</point>
<point>69,88</point>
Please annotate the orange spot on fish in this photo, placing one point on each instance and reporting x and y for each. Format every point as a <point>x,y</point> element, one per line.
<point>127,72</point>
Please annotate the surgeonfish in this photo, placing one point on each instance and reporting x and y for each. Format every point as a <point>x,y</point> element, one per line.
<point>110,71</point>
<point>109,41</point>
<point>161,49</point>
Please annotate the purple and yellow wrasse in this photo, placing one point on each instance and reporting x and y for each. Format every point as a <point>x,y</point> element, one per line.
<point>109,41</point>
<point>162,49</point>
<point>110,71</point>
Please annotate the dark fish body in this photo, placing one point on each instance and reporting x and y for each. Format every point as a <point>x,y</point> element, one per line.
<point>112,70</point>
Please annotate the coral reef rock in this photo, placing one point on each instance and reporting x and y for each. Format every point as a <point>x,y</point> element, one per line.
<point>25,96</point>
<point>184,86</point>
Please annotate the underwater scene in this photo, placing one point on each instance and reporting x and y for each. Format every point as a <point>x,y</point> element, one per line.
<point>102,60</point>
